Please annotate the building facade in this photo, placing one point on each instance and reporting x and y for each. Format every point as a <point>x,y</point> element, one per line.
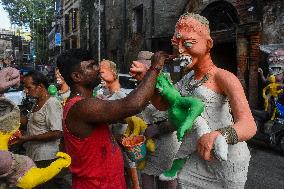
<point>15,47</point>
<point>71,24</point>
<point>6,38</point>
<point>65,32</point>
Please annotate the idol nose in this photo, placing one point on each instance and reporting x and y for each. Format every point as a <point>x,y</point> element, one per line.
<point>180,48</point>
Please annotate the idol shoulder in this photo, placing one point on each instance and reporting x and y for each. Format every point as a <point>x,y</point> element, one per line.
<point>224,75</point>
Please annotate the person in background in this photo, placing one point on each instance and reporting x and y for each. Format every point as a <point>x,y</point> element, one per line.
<point>109,75</point>
<point>17,170</point>
<point>44,126</point>
<point>63,88</point>
<point>97,161</point>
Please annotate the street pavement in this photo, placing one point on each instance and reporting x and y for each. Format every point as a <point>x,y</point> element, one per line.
<point>266,169</point>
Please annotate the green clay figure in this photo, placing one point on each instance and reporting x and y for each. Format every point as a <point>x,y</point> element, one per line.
<point>183,113</point>
<point>183,110</point>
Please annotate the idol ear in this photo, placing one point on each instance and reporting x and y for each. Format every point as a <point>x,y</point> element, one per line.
<point>209,44</point>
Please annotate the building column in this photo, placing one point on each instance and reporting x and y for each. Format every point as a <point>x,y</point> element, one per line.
<point>254,56</point>
<point>242,59</point>
<point>70,43</point>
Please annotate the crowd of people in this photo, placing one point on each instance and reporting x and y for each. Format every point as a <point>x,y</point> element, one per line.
<point>89,128</point>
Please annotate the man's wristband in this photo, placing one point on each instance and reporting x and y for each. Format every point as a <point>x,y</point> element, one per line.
<point>157,70</point>
<point>230,134</point>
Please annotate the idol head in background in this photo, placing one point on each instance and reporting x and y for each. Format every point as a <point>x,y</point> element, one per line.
<point>276,64</point>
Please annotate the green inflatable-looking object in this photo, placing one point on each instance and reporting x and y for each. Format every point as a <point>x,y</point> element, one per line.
<point>183,110</point>
<point>52,90</point>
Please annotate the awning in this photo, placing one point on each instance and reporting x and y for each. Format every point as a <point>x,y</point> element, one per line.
<point>271,47</point>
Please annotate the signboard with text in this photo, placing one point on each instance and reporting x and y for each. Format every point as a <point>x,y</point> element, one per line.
<point>57,39</point>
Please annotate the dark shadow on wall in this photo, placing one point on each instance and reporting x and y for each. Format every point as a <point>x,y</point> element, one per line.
<point>224,56</point>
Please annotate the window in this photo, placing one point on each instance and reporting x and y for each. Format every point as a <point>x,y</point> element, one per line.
<point>74,43</point>
<point>75,19</point>
<point>138,19</point>
<point>66,24</point>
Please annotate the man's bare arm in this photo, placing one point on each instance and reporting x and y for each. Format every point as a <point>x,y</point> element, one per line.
<point>107,111</point>
<point>48,136</point>
<point>159,102</point>
<point>102,111</point>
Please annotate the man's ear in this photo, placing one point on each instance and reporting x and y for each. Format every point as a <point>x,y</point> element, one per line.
<point>41,86</point>
<point>76,77</point>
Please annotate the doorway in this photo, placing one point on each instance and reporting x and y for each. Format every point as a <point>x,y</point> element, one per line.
<point>224,56</point>
<point>223,18</point>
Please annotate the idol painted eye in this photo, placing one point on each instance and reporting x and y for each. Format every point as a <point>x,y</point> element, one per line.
<point>188,44</point>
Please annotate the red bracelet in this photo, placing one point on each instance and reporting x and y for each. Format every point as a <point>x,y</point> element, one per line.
<point>157,70</point>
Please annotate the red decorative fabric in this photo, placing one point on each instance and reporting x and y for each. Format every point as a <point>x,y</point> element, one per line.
<point>97,161</point>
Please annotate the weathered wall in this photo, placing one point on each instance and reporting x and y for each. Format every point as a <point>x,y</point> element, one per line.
<point>273,22</point>
<point>166,16</point>
<point>241,7</point>
<point>118,40</point>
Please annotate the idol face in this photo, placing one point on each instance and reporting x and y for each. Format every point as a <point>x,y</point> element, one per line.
<point>190,41</point>
<point>276,62</point>
<point>106,72</point>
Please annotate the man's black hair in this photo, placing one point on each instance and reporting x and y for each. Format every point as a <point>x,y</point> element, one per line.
<point>69,61</point>
<point>38,78</point>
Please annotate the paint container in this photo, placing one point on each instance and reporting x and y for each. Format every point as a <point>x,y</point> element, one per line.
<point>135,147</point>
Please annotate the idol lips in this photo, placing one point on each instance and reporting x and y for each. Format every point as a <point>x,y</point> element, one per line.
<point>184,60</point>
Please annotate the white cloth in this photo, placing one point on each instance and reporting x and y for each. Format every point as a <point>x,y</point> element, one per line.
<point>166,145</point>
<point>198,173</point>
<point>162,158</point>
<point>64,96</point>
<point>48,118</point>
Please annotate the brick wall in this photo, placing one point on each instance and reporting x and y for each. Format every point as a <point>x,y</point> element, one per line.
<point>254,56</point>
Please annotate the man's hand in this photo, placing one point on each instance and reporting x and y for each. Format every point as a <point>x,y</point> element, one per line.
<point>9,77</point>
<point>21,140</point>
<point>158,59</point>
<point>205,145</point>
<point>138,70</point>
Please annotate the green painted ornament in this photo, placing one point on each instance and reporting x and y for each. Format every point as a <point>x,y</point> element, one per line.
<point>52,90</point>
<point>183,110</point>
